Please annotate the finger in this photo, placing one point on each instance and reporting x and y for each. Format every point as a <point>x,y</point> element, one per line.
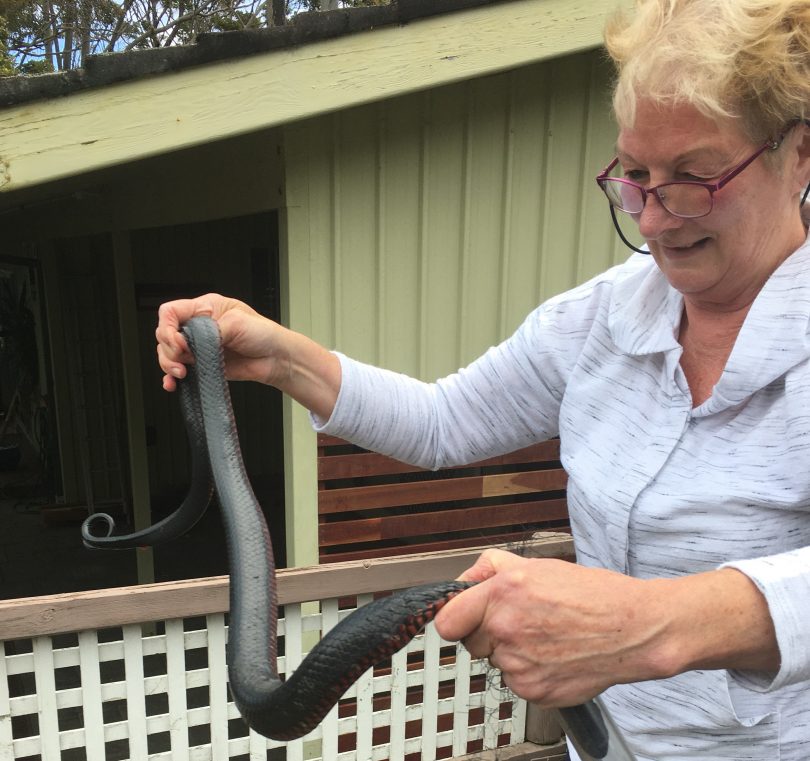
<point>479,644</point>
<point>176,368</point>
<point>465,612</point>
<point>170,340</point>
<point>489,563</point>
<point>463,615</point>
<point>173,314</point>
<point>235,324</point>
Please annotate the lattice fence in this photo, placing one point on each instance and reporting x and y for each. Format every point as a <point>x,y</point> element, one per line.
<point>158,690</point>
<point>117,694</point>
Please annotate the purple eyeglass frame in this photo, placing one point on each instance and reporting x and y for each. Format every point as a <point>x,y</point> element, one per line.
<point>602,179</point>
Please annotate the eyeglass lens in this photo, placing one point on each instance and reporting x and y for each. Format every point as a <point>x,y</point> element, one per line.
<point>682,198</point>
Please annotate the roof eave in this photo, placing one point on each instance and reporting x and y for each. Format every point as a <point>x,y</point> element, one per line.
<point>52,139</point>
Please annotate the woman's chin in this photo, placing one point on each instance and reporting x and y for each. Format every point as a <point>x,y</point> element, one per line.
<point>689,269</point>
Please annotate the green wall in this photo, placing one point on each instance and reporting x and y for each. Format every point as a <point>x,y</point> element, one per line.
<point>421,230</point>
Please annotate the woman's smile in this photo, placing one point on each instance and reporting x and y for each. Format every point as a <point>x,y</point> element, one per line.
<point>681,249</point>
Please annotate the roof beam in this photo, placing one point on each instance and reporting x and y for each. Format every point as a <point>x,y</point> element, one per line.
<point>93,129</point>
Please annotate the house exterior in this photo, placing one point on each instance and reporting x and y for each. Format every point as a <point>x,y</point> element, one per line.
<point>404,188</point>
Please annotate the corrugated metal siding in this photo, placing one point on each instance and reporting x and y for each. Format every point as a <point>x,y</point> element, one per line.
<point>420,230</point>
<point>426,227</point>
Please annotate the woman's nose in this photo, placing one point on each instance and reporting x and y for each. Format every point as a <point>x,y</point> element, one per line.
<point>655,219</point>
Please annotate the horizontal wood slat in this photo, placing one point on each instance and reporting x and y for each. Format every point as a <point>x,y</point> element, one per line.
<point>371,505</point>
<point>104,608</point>
<point>440,490</point>
<point>363,464</point>
<point>514,540</point>
<point>442,521</point>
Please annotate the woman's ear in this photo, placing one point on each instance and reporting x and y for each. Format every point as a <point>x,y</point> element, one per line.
<point>802,173</point>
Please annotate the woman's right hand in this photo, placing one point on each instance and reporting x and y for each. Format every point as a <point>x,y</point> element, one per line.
<point>256,348</point>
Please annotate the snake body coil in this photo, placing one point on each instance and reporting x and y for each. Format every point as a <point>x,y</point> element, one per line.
<point>280,710</point>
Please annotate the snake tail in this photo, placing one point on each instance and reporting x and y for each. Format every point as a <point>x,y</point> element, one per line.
<point>193,507</point>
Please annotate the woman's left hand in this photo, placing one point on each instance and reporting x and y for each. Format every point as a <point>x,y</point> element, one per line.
<point>562,633</point>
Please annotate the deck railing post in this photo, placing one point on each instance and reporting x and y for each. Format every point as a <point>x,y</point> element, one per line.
<point>542,726</point>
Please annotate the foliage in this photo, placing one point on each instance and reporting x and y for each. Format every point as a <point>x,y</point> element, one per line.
<point>57,35</point>
<point>62,33</point>
<point>6,64</point>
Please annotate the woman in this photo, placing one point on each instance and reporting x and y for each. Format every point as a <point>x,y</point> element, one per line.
<point>679,384</point>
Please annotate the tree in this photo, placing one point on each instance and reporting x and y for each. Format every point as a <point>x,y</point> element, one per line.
<point>57,35</point>
<point>6,64</point>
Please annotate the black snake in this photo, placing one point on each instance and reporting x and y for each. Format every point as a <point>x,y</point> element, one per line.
<point>290,709</point>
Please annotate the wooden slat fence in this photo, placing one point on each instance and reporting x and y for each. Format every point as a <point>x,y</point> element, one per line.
<point>370,505</point>
<point>139,673</point>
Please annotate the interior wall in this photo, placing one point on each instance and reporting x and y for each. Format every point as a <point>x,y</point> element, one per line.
<point>88,371</point>
<point>25,383</point>
<point>237,256</point>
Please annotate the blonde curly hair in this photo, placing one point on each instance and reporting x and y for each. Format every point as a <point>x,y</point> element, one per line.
<point>744,59</point>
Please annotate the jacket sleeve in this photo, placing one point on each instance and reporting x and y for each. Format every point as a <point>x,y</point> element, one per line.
<point>507,399</point>
<point>490,407</point>
<point>784,580</point>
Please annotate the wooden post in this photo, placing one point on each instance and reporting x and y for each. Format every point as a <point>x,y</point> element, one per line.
<point>61,380</point>
<point>133,399</point>
<point>542,726</point>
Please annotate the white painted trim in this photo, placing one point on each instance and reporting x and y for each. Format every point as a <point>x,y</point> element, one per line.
<point>53,139</point>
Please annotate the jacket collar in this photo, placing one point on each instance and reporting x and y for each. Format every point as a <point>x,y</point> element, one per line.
<point>645,315</point>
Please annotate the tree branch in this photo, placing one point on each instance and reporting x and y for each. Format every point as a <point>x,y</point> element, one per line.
<point>154,31</point>
<point>115,35</point>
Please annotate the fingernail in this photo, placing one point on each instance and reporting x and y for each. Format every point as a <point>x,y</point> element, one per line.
<point>176,372</point>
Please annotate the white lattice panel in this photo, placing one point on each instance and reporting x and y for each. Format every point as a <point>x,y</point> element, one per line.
<point>158,692</point>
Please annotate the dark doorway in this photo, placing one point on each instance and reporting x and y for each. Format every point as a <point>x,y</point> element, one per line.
<point>42,551</point>
<point>238,257</point>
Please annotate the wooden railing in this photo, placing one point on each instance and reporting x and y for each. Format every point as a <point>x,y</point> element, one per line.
<point>139,673</point>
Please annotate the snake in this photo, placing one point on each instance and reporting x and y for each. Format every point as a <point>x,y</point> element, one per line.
<point>288,709</point>
<point>280,710</point>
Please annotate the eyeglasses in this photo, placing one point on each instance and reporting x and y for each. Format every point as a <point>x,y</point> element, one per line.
<point>687,199</point>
